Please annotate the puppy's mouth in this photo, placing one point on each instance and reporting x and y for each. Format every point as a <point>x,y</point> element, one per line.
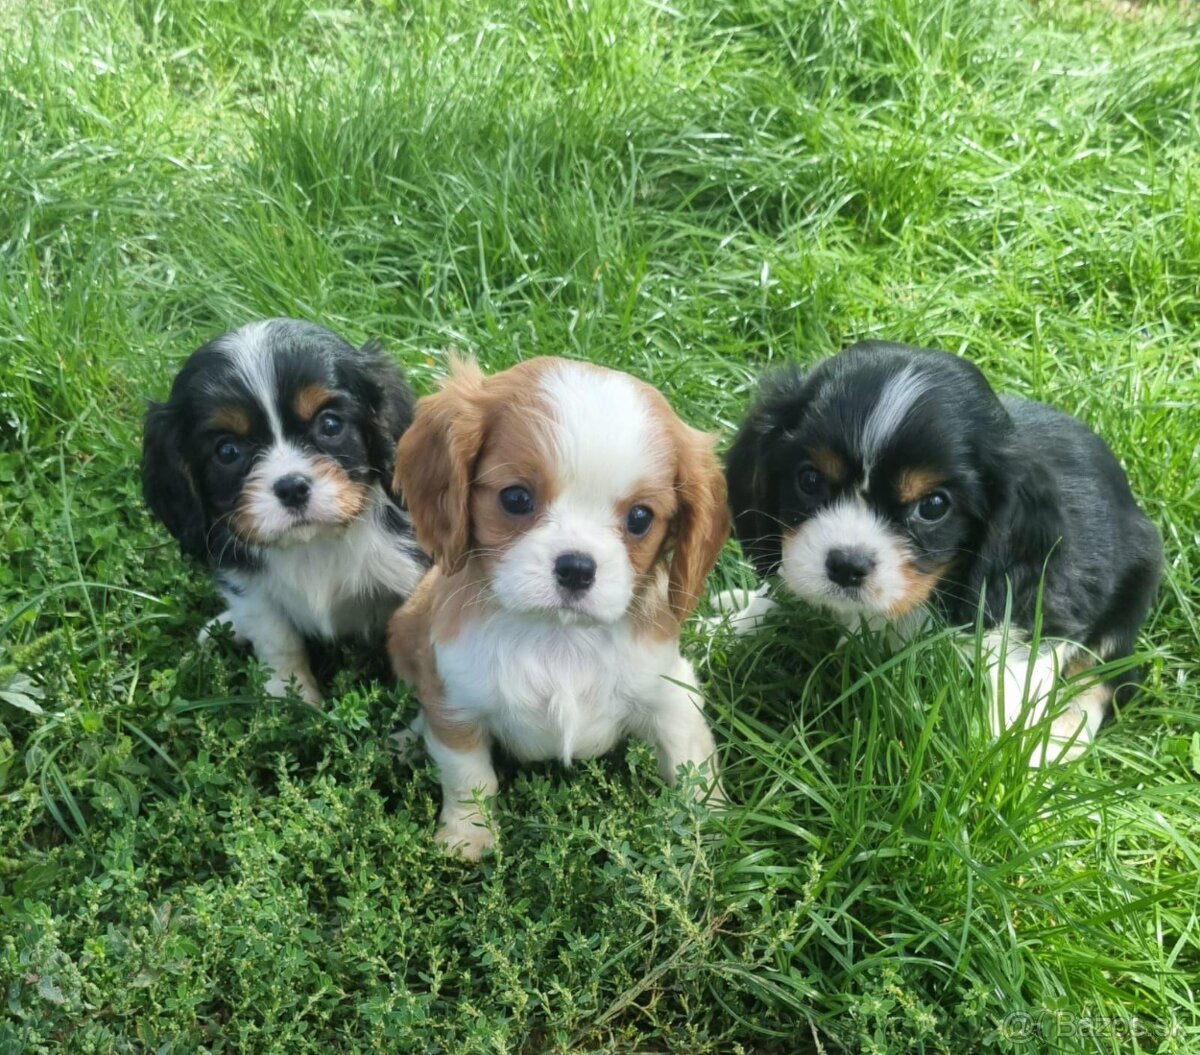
<point>298,532</point>
<point>850,563</point>
<point>566,611</point>
<point>263,519</point>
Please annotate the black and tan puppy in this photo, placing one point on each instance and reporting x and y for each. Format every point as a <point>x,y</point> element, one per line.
<point>891,481</point>
<point>272,462</point>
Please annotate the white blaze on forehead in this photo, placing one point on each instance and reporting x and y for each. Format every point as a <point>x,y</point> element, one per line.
<point>249,353</point>
<point>896,401</point>
<point>603,434</point>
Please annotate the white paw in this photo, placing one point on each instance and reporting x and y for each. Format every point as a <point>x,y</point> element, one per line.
<point>465,838</point>
<point>745,611</point>
<point>305,684</point>
<point>224,619</point>
<point>1070,737</point>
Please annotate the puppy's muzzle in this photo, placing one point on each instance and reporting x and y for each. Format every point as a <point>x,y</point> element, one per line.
<point>849,568</point>
<point>575,572</point>
<point>293,491</point>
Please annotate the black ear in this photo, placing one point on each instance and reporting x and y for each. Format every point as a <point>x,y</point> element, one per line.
<point>1024,537</point>
<point>753,486</point>
<point>390,404</point>
<point>167,482</point>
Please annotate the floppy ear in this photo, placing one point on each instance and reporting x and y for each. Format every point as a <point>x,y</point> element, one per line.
<point>390,404</point>
<point>753,492</point>
<point>701,521</point>
<point>435,462</point>
<point>1026,530</point>
<point>167,482</point>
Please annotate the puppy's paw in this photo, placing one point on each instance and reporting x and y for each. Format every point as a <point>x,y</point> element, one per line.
<point>465,838</point>
<point>305,684</point>
<point>745,611</point>
<point>1070,737</point>
<point>225,619</point>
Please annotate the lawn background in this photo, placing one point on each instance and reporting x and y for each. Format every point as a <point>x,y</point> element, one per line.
<point>689,191</point>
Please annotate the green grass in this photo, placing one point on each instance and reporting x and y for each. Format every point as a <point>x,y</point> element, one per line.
<point>689,192</point>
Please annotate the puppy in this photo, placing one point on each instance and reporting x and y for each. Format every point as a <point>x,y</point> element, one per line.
<point>891,481</point>
<point>572,519</point>
<point>272,461</point>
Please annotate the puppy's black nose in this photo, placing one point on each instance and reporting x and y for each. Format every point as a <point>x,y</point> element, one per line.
<point>575,571</point>
<point>848,567</point>
<point>293,490</point>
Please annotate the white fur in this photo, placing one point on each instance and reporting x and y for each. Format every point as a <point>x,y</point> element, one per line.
<point>274,522</point>
<point>746,611</point>
<point>552,690</point>
<point>1026,686</point>
<point>247,349</point>
<point>896,401</point>
<point>524,577</point>
<point>341,582</point>
<point>847,524</point>
<point>600,440</point>
<point>558,676</point>
<point>603,435</point>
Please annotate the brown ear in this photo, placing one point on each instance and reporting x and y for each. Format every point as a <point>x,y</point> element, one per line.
<point>702,522</point>
<point>435,462</point>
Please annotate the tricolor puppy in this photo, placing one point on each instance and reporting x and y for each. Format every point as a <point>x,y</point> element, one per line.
<point>891,480</point>
<point>272,461</point>
<point>572,518</point>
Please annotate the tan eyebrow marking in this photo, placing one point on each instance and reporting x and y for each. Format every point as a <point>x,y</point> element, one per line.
<point>230,419</point>
<point>917,483</point>
<point>831,464</point>
<point>310,399</point>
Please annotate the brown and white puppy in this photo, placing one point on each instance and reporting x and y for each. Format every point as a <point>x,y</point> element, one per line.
<point>572,518</point>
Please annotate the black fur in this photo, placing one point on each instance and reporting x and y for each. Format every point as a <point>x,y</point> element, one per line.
<point>1030,487</point>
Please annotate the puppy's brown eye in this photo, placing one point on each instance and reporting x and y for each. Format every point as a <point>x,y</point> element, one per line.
<point>330,425</point>
<point>516,501</point>
<point>933,507</point>
<point>227,451</point>
<point>638,520</point>
<point>809,480</point>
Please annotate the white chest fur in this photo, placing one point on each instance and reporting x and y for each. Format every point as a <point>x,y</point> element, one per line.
<point>338,584</point>
<point>547,689</point>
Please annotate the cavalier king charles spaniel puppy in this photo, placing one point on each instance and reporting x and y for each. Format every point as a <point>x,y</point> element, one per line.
<point>273,461</point>
<point>572,518</point>
<point>891,481</point>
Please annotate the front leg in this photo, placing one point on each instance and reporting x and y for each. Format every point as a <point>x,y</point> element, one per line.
<point>675,725</point>
<point>1024,683</point>
<point>745,611</point>
<point>276,642</point>
<point>464,761</point>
